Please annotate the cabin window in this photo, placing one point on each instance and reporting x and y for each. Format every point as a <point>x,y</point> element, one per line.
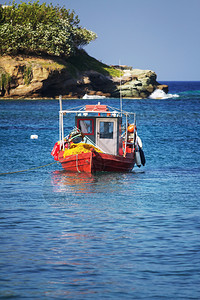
<point>106,130</point>
<point>86,126</point>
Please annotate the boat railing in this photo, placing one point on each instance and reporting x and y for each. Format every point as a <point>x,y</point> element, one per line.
<point>80,111</point>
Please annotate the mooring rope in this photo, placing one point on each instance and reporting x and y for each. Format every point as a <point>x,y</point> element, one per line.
<point>77,164</point>
<point>31,169</point>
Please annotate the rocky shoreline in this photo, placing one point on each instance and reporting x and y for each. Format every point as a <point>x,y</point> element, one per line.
<point>47,78</point>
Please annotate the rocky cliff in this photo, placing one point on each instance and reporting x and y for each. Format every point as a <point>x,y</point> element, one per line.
<point>37,77</point>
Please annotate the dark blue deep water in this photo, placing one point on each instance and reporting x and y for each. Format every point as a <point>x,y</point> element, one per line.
<point>107,236</point>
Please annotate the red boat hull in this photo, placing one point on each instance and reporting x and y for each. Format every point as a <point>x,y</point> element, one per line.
<point>92,162</point>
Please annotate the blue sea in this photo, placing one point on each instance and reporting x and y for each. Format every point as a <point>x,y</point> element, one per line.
<point>105,236</point>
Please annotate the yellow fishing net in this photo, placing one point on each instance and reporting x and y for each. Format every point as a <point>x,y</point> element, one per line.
<point>79,148</point>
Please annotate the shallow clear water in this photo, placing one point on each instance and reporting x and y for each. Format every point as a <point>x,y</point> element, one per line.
<point>104,236</point>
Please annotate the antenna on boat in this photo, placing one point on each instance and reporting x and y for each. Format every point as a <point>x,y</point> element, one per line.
<point>120,92</point>
<point>61,129</point>
<point>60,101</point>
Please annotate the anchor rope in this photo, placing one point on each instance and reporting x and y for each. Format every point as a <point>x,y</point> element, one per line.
<point>77,164</point>
<point>31,169</point>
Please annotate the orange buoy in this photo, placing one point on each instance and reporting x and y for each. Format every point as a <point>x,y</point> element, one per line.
<point>131,128</point>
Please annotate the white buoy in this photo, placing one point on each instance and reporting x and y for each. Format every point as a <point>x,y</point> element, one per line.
<point>34,136</point>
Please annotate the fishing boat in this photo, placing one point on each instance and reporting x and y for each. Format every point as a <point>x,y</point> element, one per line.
<point>103,139</point>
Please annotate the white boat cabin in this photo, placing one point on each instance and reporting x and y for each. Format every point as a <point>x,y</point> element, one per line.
<point>104,129</point>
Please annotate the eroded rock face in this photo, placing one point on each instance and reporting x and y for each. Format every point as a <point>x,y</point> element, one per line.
<point>137,83</point>
<point>33,77</point>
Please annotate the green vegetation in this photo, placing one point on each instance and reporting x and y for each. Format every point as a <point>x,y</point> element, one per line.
<point>83,62</point>
<point>41,29</point>
<point>5,80</point>
<point>52,65</point>
<point>27,75</point>
<point>113,72</point>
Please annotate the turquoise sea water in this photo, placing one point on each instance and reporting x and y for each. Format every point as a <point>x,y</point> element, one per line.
<point>105,236</point>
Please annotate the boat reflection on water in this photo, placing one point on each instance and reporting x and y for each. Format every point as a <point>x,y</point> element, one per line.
<point>61,187</point>
<point>103,188</point>
<point>63,181</point>
<point>81,183</point>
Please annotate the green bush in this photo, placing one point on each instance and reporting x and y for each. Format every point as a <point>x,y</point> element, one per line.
<point>5,80</point>
<point>83,62</point>
<point>33,28</point>
<point>27,75</point>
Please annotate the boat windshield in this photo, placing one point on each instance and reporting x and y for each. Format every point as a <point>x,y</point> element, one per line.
<point>106,130</point>
<point>86,126</point>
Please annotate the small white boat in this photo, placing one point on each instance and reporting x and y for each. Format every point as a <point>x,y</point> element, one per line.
<point>86,96</point>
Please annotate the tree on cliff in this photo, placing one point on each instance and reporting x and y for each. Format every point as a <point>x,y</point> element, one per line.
<point>33,28</point>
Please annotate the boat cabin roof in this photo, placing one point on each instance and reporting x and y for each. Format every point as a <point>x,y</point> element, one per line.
<point>97,107</point>
<point>98,110</point>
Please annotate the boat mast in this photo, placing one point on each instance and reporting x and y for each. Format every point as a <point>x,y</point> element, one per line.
<point>126,134</point>
<point>135,133</point>
<point>120,92</point>
<point>61,129</point>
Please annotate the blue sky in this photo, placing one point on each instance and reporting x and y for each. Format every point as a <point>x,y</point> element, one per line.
<point>160,35</point>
